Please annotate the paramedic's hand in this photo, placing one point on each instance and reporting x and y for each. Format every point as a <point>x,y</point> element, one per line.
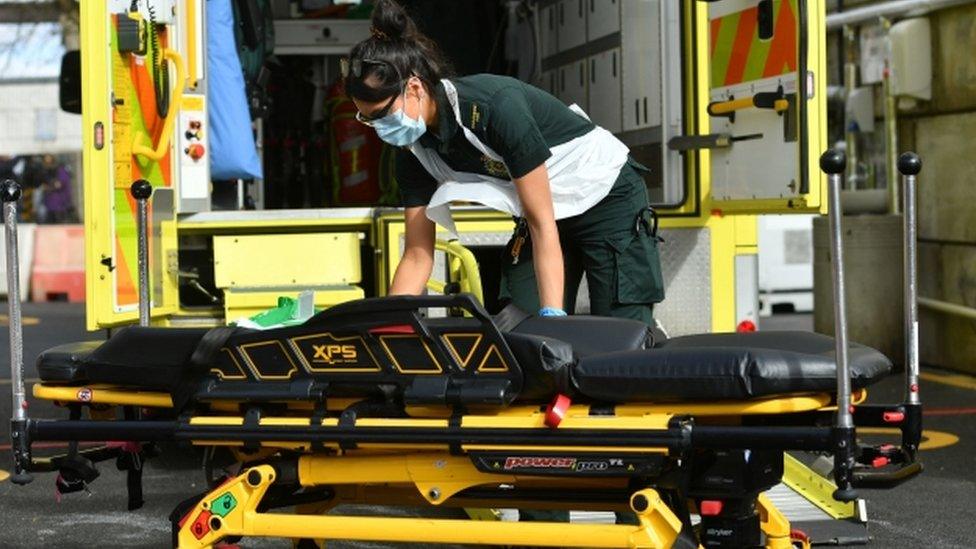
<point>551,311</point>
<point>547,254</point>
<point>418,254</point>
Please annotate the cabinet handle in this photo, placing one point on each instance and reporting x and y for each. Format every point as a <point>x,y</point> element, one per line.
<point>580,9</point>
<point>614,64</point>
<point>645,110</point>
<point>637,112</point>
<point>550,18</point>
<point>562,15</point>
<point>592,5</point>
<point>592,71</point>
<point>582,67</point>
<point>562,80</point>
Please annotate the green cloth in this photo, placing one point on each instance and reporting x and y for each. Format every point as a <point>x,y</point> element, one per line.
<point>621,263</point>
<point>289,312</point>
<point>516,120</point>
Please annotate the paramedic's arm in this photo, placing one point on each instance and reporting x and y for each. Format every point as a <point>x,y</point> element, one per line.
<point>418,254</point>
<point>547,254</point>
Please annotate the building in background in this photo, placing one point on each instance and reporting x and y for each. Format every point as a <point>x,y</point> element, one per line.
<point>40,144</point>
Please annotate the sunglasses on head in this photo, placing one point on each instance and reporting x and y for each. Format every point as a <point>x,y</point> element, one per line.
<point>355,67</point>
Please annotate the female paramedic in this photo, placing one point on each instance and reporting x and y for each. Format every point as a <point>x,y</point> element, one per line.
<point>579,202</point>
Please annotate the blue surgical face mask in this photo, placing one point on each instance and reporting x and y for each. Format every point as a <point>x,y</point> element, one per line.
<point>398,129</point>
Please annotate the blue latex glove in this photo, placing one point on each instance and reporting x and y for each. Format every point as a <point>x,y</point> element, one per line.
<point>551,311</point>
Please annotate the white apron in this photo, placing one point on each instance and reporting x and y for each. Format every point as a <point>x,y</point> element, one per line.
<point>581,173</point>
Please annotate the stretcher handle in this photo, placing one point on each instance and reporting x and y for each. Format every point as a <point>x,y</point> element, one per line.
<point>162,146</point>
<point>909,165</point>
<point>20,445</point>
<point>141,190</point>
<point>762,100</point>
<point>833,163</point>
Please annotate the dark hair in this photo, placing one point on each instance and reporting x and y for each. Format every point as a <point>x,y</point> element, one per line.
<point>396,51</point>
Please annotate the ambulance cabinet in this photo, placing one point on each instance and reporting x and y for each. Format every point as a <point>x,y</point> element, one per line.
<point>605,56</point>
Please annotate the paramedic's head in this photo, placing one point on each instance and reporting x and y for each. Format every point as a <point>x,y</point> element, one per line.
<point>390,75</point>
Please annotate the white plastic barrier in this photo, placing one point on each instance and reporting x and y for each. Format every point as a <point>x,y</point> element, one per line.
<point>25,245</point>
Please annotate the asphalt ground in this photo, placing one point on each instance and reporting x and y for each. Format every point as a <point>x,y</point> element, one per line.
<point>936,509</point>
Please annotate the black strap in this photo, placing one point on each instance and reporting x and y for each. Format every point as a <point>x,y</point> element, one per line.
<point>133,482</point>
<point>510,317</point>
<point>252,420</point>
<point>211,344</point>
<point>347,422</point>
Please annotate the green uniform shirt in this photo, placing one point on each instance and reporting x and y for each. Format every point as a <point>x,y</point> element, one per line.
<point>518,121</point>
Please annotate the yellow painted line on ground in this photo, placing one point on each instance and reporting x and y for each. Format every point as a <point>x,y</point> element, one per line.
<point>25,320</point>
<point>956,380</point>
<point>4,476</point>
<point>931,440</point>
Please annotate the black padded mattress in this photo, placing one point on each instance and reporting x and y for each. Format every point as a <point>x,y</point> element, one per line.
<point>725,367</point>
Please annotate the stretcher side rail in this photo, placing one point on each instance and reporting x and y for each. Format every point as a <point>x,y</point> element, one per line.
<point>681,435</point>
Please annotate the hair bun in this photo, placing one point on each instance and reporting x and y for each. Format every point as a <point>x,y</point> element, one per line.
<point>391,21</point>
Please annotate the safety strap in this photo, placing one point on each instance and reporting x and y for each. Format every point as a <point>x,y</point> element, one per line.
<point>509,318</point>
<point>211,344</point>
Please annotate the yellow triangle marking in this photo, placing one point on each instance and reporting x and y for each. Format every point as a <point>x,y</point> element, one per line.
<point>496,365</point>
<point>449,339</point>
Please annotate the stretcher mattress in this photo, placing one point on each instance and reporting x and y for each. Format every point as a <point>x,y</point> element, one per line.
<point>598,359</point>
<point>725,366</point>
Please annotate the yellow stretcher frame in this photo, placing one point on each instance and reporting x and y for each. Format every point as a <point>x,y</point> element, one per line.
<point>232,509</point>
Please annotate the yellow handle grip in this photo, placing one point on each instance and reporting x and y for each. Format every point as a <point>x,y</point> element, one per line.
<point>176,98</point>
<point>722,108</point>
<point>464,264</point>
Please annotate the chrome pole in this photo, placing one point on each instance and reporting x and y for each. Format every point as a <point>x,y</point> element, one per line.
<point>833,163</point>
<point>10,193</point>
<point>909,165</point>
<point>141,191</point>
<point>20,447</point>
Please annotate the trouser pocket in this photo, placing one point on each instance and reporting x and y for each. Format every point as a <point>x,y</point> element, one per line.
<point>637,278</point>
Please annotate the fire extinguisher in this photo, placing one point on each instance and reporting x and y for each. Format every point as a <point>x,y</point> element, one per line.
<point>355,153</point>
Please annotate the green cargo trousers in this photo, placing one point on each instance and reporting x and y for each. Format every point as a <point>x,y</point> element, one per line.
<point>614,244</point>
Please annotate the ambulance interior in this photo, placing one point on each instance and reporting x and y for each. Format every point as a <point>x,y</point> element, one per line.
<point>619,61</point>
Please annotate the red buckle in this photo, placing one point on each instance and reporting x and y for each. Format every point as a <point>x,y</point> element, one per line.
<point>556,411</point>
<point>710,508</point>
<point>893,417</point>
<point>880,462</point>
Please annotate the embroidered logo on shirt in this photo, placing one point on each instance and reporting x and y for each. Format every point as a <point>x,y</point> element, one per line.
<point>475,115</point>
<point>495,168</point>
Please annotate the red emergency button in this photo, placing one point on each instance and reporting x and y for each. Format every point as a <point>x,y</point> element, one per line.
<point>880,462</point>
<point>195,151</point>
<point>710,508</point>
<point>557,410</point>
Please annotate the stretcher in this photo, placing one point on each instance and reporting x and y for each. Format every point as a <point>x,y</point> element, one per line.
<point>373,402</point>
